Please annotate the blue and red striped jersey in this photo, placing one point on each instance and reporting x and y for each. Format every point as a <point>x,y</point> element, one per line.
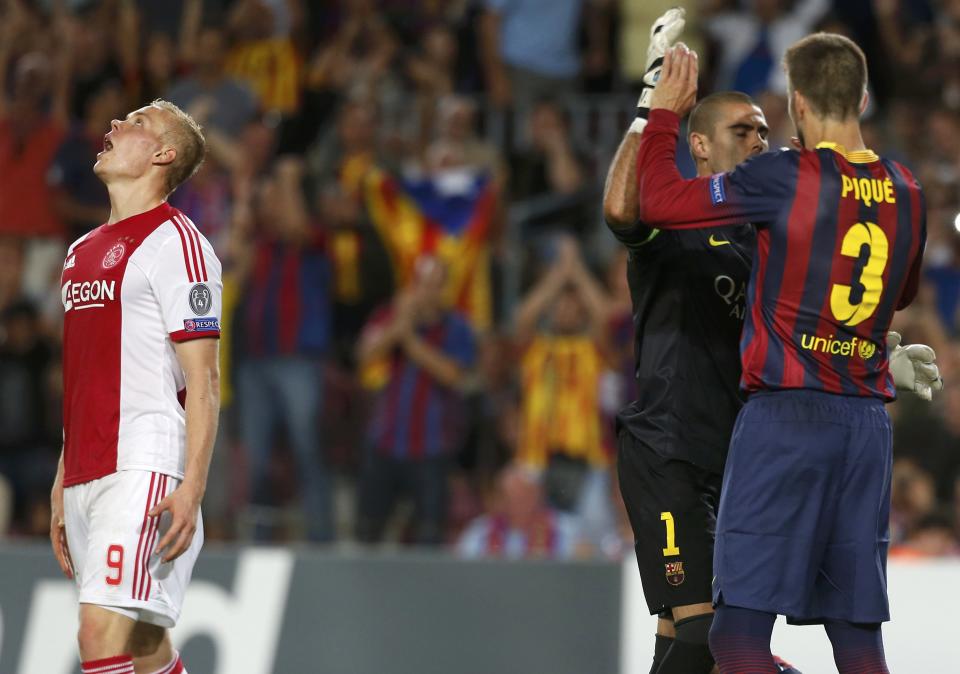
<point>286,309</point>
<point>415,416</point>
<point>840,238</point>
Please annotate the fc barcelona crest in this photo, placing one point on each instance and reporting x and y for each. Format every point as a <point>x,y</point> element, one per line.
<point>675,573</point>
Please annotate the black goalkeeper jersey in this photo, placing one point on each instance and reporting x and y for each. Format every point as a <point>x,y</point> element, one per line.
<point>689,297</point>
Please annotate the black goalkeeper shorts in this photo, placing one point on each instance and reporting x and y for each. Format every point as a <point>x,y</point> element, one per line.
<point>672,506</point>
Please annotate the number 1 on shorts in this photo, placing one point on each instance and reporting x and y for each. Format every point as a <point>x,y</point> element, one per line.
<point>671,548</point>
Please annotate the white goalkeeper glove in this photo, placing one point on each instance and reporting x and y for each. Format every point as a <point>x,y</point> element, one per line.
<point>664,31</point>
<point>913,367</point>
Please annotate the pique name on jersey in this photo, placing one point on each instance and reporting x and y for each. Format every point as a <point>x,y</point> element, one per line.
<point>87,294</point>
<point>868,190</point>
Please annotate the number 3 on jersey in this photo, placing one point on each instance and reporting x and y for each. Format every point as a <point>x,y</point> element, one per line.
<point>871,277</point>
<point>671,548</point>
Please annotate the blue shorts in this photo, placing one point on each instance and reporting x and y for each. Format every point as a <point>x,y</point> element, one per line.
<point>803,527</point>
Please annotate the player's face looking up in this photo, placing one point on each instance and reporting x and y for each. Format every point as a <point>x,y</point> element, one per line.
<point>739,132</point>
<point>133,145</point>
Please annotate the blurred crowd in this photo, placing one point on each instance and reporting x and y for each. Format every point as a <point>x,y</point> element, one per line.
<point>428,327</point>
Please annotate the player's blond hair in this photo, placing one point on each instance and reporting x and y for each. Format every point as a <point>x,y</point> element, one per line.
<point>830,71</point>
<point>186,136</point>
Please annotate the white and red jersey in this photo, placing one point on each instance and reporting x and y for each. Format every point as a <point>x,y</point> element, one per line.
<point>130,290</point>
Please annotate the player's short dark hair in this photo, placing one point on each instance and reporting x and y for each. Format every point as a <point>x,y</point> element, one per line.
<point>186,136</point>
<point>830,71</point>
<point>703,119</point>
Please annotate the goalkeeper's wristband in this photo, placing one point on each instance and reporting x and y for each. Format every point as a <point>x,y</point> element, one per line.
<point>648,82</point>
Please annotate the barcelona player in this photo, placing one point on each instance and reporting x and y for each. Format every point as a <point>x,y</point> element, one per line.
<point>802,529</point>
<point>689,292</point>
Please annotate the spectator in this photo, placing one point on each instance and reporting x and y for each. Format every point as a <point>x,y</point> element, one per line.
<point>227,103</point>
<point>283,334</point>
<point>618,385</point>
<point>457,217</point>
<point>94,60</point>
<point>560,325</point>
<point>433,69</point>
<point>151,50</point>
<point>553,167</point>
<point>752,41</point>
<point>341,169</point>
<point>81,199</point>
<point>360,53</point>
<point>933,536</point>
<point>263,53</point>
<point>425,353</point>
<point>28,454</point>
<point>347,153</point>
<point>520,525</point>
<point>495,411</point>
<point>11,271</point>
<point>913,498</point>
<point>529,49</point>
<point>30,136</point>
<point>457,136</point>
<point>362,280</point>
<point>943,272</point>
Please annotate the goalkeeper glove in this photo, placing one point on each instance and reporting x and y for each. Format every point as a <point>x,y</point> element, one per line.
<point>913,367</point>
<point>664,31</point>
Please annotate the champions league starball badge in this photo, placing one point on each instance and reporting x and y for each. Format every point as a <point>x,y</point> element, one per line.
<point>200,299</point>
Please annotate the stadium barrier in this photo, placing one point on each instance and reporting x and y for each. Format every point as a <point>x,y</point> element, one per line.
<point>258,610</point>
<point>299,611</point>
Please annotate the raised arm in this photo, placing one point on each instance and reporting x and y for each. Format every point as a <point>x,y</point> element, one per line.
<point>7,32</point>
<point>620,198</point>
<point>592,294</point>
<point>441,366</point>
<point>544,292</point>
<point>385,332</point>
<point>190,22</point>
<point>66,30</point>
<point>753,192</point>
<point>127,37</point>
<point>621,206</point>
<point>494,70</point>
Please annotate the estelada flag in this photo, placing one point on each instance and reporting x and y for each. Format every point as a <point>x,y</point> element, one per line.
<point>447,215</point>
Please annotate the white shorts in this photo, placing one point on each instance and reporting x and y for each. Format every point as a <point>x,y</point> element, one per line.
<point>112,543</point>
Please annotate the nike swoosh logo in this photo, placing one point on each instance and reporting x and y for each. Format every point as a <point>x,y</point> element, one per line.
<point>718,242</point>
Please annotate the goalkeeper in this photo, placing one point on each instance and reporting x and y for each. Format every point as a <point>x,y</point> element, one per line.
<point>689,294</point>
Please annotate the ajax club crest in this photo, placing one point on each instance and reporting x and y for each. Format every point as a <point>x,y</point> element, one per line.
<point>675,574</point>
<point>114,255</point>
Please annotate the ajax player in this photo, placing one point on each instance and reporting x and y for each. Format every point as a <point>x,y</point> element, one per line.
<point>141,296</point>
